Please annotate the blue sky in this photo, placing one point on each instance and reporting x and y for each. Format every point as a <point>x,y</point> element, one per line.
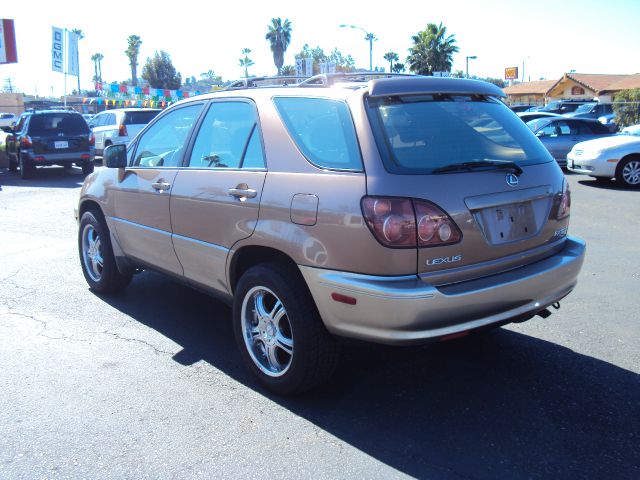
<point>551,37</point>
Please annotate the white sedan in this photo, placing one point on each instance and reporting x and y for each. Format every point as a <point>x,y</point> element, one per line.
<point>616,157</point>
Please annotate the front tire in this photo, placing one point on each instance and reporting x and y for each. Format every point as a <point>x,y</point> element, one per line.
<point>628,172</point>
<point>96,256</point>
<point>279,331</point>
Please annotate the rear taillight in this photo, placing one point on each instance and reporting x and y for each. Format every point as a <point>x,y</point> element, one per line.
<point>92,140</point>
<point>408,223</point>
<point>122,131</point>
<point>564,208</point>
<point>25,142</point>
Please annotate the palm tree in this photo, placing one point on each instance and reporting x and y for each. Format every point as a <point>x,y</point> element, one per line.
<point>246,62</point>
<point>80,35</point>
<point>133,48</point>
<point>96,58</point>
<point>398,67</point>
<point>432,50</point>
<point>391,57</point>
<point>279,36</point>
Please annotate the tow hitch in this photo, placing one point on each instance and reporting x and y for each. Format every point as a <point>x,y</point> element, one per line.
<point>546,313</point>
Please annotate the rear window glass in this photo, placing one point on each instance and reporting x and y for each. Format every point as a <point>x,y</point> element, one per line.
<point>55,123</point>
<point>422,133</point>
<point>140,118</point>
<point>323,130</point>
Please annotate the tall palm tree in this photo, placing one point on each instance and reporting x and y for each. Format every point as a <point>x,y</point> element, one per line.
<point>80,35</point>
<point>246,62</point>
<point>391,57</point>
<point>432,50</point>
<point>132,51</point>
<point>279,36</point>
<point>96,58</point>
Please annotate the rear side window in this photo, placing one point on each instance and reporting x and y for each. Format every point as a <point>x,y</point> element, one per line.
<point>55,123</point>
<point>140,118</point>
<point>323,130</point>
<point>418,134</point>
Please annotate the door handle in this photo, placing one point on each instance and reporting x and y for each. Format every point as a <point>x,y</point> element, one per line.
<point>242,193</point>
<point>160,186</point>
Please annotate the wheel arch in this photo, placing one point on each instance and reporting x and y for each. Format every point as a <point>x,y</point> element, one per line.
<point>246,257</point>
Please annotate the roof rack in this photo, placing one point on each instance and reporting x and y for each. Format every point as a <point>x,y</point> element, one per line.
<point>330,79</point>
<point>255,82</point>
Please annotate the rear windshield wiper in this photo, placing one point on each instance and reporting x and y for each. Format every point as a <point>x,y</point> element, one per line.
<point>471,166</point>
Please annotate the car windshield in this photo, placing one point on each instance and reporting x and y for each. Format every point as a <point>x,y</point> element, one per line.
<point>585,108</point>
<point>551,106</point>
<point>56,123</point>
<point>426,133</point>
<point>538,123</point>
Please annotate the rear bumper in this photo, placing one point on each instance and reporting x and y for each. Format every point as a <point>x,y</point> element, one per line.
<point>58,158</point>
<point>407,310</point>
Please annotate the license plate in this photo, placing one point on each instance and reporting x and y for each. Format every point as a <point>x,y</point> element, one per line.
<point>61,144</point>
<point>508,223</point>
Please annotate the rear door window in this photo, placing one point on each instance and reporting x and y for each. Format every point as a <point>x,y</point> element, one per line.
<point>323,131</point>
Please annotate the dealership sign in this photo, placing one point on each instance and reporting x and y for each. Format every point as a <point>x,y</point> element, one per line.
<point>64,51</point>
<point>511,73</point>
<point>8,52</point>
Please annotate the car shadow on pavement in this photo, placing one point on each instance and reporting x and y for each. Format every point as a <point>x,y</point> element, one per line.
<point>497,405</point>
<point>603,184</point>
<point>56,177</point>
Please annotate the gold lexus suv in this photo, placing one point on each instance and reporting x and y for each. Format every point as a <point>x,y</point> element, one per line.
<point>395,210</point>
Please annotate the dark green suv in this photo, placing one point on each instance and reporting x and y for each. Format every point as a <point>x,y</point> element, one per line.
<point>50,137</point>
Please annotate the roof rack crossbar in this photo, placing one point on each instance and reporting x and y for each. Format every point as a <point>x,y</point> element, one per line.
<point>330,79</point>
<point>255,82</point>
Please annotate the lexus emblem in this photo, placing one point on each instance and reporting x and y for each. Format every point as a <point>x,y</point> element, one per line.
<point>512,180</point>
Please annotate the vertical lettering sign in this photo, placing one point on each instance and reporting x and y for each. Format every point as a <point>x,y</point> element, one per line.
<point>72,54</point>
<point>57,50</point>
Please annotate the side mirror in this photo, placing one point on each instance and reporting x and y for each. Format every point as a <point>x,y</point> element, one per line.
<point>115,156</point>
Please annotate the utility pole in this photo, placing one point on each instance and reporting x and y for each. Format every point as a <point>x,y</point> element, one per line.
<point>8,86</point>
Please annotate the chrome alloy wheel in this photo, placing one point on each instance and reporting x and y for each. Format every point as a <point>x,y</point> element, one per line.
<point>631,172</point>
<point>92,253</point>
<point>266,331</point>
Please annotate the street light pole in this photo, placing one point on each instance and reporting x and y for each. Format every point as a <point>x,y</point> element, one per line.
<point>526,58</point>
<point>472,57</point>
<point>369,36</point>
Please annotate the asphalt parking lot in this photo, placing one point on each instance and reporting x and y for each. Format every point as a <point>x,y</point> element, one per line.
<point>148,384</point>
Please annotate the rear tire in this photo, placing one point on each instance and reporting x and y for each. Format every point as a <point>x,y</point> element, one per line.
<point>279,332</point>
<point>96,256</point>
<point>628,172</point>
<point>27,169</point>
<point>87,167</point>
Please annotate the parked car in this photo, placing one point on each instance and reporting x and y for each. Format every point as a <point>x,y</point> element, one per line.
<point>7,120</point>
<point>119,125</point>
<point>562,106</point>
<point>50,137</point>
<point>592,110</point>
<point>528,116</point>
<point>87,116</point>
<point>616,157</point>
<point>372,210</point>
<point>560,134</point>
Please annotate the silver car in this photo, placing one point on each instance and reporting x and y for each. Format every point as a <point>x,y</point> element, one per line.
<point>559,134</point>
<point>119,125</point>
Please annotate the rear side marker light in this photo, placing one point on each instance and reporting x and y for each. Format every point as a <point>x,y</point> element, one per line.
<point>338,297</point>
<point>408,223</point>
